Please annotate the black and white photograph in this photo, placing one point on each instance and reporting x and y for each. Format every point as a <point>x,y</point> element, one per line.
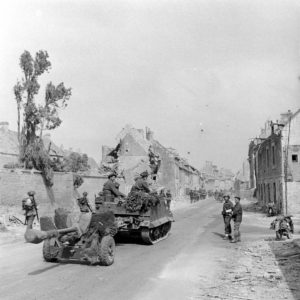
<point>150,150</point>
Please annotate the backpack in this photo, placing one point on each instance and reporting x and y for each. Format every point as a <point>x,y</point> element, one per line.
<point>24,203</point>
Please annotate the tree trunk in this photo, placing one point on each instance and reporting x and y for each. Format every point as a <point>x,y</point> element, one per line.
<point>19,123</point>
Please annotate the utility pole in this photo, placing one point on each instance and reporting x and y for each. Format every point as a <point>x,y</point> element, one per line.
<point>286,162</point>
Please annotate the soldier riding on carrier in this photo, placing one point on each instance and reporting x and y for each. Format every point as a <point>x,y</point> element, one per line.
<point>111,189</point>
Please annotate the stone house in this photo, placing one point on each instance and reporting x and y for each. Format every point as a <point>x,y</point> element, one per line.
<point>274,163</point>
<point>215,178</point>
<point>134,150</point>
<point>9,148</point>
<point>242,178</point>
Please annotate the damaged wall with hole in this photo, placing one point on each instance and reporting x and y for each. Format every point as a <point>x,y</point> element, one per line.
<point>137,151</point>
<point>274,159</point>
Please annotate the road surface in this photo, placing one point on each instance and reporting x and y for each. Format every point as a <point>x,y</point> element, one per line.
<point>167,270</point>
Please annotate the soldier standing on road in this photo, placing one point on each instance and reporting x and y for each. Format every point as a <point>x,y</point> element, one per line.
<point>84,204</point>
<point>227,214</point>
<point>169,199</point>
<point>237,216</point>
<point>110,189</point>
<point>29,205</point>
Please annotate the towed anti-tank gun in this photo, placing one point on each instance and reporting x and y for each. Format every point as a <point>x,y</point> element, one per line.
<point>90,240</point>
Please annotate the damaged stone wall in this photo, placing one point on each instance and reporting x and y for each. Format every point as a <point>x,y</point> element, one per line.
<point>166,174</point>
<point>14,185</point>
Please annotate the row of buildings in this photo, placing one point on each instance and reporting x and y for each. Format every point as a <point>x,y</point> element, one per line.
<point>137,151</point>
<point>275,163</point>
<point>9,148</point>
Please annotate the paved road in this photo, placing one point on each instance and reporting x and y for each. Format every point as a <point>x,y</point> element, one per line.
<point>168,270</point>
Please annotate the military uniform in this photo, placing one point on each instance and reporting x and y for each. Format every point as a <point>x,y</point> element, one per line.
<point>141,185</point>
<point>111,190</point>
<point>99,200</point>
<point>227,214</point>
<point>169,199</point>
<point>83,203</point>
<point>29,205</point>
<point>237,216</point>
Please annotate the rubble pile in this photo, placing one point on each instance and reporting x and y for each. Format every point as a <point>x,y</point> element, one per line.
<point>254,268</point>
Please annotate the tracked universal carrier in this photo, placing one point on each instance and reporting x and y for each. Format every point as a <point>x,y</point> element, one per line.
<point>151,220</point>
<point>90,240</point>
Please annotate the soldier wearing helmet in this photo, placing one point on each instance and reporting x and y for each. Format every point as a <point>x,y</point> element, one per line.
<point>30,208</point>
<point>83,203</point>
<point>111,189</point>
<point>141,184</point>
<point>227,215</point>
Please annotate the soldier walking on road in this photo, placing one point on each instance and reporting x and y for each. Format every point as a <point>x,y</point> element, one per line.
<point>227,214</point>
<point>29,205</point>
<point>237,216</point>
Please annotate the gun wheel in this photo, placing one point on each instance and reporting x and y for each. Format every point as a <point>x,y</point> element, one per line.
<point>107,250</point>
<point>50,250</point>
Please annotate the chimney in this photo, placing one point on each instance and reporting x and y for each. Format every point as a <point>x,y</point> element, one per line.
<point>4,126</point>
<point>284,117</point>
<point>141,132</point>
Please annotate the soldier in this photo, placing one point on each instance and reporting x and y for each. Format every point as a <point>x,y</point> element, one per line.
<point>83,203</point>
<point>237,216</point>
<point>141,184</point>
<point>99,200</point>
<point>29,205</point>
<point>227,213</point>
<point>169,199</point>
<point>110,189</point>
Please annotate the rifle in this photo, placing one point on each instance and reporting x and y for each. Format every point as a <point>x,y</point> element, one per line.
<point>37,213</point>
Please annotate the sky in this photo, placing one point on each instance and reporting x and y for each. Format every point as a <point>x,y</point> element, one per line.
<point>203,75</point>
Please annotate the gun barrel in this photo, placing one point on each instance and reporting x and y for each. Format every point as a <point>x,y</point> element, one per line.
<point>37,236</point>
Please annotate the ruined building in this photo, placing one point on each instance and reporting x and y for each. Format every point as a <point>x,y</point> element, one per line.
<point>274,163</point>
<point>138,151</point>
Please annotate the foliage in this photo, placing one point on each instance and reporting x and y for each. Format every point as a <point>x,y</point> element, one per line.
<point>77,180</point>
<point>37,117</point>
<point>76,163</point>
<point>35,156</point>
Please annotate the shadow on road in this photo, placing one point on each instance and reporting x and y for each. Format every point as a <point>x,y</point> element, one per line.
<point>287,254</point>
<point>37,272</point>
<point>219,234</point>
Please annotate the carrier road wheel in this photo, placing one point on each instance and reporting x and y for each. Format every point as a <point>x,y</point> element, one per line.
<point>107,250</point>
<point>50,250</point>
<point>156,234</point>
